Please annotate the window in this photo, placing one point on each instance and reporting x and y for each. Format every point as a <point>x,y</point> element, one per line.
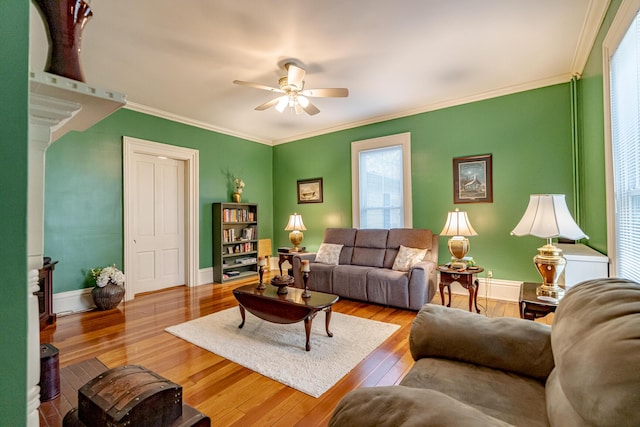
<point>622,65</point>
<point>381,179</point>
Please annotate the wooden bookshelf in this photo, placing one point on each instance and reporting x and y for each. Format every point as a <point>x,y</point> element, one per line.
<point>235,241</point>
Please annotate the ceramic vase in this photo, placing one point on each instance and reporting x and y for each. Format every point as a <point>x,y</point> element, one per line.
<point>64,21</point>
<point>108,296</point>
<point>236,197</point>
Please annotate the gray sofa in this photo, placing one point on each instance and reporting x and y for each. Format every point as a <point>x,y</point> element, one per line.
<point>473,371</point>
<point>364,271</point>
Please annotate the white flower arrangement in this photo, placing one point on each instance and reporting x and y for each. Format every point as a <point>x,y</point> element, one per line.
<point>106,275</point>
<point>239,184</point>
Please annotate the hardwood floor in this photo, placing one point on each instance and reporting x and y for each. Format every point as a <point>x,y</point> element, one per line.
<point>229,394</point>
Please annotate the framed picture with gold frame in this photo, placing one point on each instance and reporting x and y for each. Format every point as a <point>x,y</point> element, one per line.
<point>310,190</point>
<point>473,179</point>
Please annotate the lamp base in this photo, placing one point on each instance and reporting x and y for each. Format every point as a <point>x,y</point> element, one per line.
<point>295,237</point>
<point>550,264</point>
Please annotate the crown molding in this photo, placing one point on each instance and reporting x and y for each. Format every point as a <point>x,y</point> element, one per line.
<point>481,96</point>
<point>596,12</point>
<point>191,122</point>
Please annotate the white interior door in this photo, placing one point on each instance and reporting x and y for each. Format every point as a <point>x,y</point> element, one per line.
<point>158,223</point>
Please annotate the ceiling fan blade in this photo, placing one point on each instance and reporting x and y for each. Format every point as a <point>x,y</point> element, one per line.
<point>327,93</point>
<point>310,109</point>
<point>269,104</point>
<point>295,76</point>
<point>257,86</point>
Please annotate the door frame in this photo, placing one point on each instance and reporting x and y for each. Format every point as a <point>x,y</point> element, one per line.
<point>132,146</point>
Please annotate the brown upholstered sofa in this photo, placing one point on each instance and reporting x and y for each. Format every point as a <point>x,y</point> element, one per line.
<point>365,267</point>
<point>469,370</point>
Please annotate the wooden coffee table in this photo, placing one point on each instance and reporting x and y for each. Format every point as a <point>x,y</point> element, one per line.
<point>289,308</point>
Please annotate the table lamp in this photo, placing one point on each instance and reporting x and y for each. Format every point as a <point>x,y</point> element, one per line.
<point>295,225</point>
<point>548,216</point>
<point>459,227</point>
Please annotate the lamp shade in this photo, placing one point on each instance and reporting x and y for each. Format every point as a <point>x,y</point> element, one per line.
<point>548,216</point>
<point>458,225</point>
<point>295,223</point>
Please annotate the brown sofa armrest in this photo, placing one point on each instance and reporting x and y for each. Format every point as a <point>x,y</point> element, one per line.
<point>515,345</point>
<point>399,406</point>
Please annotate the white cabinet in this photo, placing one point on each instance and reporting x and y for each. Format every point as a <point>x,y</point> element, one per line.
<point>583,263</point>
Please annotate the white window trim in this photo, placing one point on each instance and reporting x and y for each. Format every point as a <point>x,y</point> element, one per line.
<point>624,17</point>
<point>402,139</point>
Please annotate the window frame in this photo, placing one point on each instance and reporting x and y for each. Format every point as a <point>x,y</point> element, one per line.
<point>624,17</point>
<point>401,139</point>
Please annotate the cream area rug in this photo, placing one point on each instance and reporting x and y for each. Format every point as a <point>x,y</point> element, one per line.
<point>277,351</point>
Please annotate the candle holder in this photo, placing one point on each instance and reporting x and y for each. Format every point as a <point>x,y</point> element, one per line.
<point>305,279</point>
<point>261,285</point>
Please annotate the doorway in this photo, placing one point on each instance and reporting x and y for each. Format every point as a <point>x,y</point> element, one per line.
<point>161,193</point>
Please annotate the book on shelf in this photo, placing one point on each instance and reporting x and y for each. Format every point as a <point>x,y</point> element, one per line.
<point>238,215</point>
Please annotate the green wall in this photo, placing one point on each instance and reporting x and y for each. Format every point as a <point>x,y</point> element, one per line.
<point>14,125</point>
<point>528,134</point>
<point>593,191</point>
<point>83,200</point>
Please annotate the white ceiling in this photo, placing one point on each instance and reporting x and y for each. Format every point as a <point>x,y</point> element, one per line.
<point>178,59</point>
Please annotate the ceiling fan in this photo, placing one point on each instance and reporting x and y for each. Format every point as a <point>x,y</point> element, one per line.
<point>295,96</point>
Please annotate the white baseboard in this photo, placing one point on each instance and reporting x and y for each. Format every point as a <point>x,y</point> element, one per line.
<point>80,300</point>
<point>72,302</point>
<point>205,276</point>
<point>505,290</point>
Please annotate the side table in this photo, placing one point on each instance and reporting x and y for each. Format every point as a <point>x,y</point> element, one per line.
<point>465,279</point>
<point>531,307</point>
<point>286,256</point>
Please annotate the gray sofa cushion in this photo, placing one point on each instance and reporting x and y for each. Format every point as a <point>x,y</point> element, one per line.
<point>342,236</point>
<point>350,281</point>
<point>370,248</point>
<point>322,278</point>
<point>410,237</point>
<point>387,287</point>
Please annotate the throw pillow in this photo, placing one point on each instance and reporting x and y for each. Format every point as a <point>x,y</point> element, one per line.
<point>407,257</point>
<point>329,253</point>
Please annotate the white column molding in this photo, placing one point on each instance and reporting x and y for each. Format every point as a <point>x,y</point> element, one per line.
<point>56,106</point>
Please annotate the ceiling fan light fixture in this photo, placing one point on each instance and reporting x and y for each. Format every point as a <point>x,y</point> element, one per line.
<point>282,103</point>
<point>293,93</point>
<point>304,102</point>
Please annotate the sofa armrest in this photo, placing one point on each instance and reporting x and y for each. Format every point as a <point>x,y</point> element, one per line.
<point>422,283</point>
<point>515,345</point>
<point>399,406</point>
<point>297,262</point>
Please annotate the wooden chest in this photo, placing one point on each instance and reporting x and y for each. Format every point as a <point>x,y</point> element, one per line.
<point>191,417</point>
<point>129,396</point>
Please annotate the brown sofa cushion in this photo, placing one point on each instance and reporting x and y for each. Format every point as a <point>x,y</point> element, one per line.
<point>397,406</point>
<point>596,347</point>
<point>512,398</point>
<point>501,343</point>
